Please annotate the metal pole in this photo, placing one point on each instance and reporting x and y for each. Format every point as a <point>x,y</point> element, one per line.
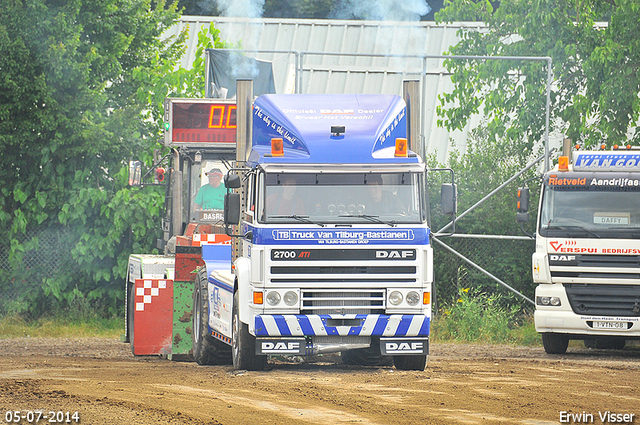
<point>301,73</point>
<point>207,74</point>
<point>548,112</point>
<point>457,254</point>
<point>480,202</point>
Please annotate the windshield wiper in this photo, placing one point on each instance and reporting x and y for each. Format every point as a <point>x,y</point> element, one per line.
<point>569,227</point>
<point>300,218</point>
<point>372,218</point>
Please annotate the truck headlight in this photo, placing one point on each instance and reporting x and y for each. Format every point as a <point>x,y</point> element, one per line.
<point>290,298</point>
<point>395,298</point>
<point>273,298</point>
<point>548,301</point>
<point>413,298</point>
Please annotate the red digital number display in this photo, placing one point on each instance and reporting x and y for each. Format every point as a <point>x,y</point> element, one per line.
<point>201,122</point>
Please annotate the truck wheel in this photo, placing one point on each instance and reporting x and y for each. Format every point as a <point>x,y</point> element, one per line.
<point>244,344</point>
<point>410,362</point>
<point>206,349</point>
<point>555,343</point>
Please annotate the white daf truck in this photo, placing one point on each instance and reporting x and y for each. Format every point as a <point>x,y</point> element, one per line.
<point>587,258</point>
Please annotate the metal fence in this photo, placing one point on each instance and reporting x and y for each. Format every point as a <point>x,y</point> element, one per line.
<point>507,259</point>
<point>486,261</point>
<point>23,273</point>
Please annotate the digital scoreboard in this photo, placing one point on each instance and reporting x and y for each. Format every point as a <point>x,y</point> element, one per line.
<point>200,122</point>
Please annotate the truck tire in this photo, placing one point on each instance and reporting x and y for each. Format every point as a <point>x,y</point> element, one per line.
<point>410,362</point>
<point>206,349</point>
<point>244,344</point>
<point>555,343</point>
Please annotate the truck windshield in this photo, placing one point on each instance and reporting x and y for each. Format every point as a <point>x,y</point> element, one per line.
<point>588,213</point>
<point>336,198</point>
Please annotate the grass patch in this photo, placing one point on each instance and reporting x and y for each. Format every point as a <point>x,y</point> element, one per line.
<point>60,327</point>
<point>480,318</point>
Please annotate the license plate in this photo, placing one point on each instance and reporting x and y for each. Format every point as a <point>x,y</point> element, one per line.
<point>610,325</point>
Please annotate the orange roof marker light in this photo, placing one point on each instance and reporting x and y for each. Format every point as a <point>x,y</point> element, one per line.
<point>563,163</point>
<point>401,147</point>
<point>277,147</point>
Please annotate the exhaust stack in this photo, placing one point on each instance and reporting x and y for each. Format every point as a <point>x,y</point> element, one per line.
<point>411,96</point>
<point>244,115</point>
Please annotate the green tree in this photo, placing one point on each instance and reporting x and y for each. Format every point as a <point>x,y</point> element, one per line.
<point>595,67</point>
<point>71,115</point>
<point>593,100</point>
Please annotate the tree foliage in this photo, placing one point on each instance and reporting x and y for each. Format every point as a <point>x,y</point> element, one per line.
<point>595,69</point>
<point>71,116</point>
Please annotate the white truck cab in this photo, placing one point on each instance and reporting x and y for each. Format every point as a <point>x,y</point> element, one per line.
<point>587,258</point>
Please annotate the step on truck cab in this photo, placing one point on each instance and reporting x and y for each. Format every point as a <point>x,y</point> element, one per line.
<point>587,258</point>
<point>328,209</point>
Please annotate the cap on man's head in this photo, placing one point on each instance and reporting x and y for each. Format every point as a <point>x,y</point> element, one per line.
<point>213,172</point>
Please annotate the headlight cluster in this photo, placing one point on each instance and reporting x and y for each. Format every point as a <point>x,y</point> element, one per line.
<point>412,298</point>
<point>548,301</point>
<point>274,298</point>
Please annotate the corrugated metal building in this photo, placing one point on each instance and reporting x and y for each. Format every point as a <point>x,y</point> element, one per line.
<point>331,56</point>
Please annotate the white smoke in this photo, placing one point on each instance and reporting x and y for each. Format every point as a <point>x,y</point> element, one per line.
<point>241,8</point>
<point>242,36</point>
<point>382,10</point>
<point>390,39</point>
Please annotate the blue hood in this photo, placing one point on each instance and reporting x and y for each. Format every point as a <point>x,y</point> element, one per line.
<point>372,123</point>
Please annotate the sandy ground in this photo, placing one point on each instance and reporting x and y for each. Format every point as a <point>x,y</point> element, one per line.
<point>463,384</point>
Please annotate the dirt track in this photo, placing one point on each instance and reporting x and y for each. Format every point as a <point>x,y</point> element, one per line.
<point>463,384</point>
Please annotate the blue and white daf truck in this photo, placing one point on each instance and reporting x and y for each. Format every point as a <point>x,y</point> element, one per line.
<point>587,258</point>
<point>328,209</point>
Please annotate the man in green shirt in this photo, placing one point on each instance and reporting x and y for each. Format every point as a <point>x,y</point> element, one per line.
<point>211,195</point>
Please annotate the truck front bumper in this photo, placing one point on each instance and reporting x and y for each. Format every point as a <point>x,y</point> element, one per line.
<point>562,319</point>
<point>395,325</point>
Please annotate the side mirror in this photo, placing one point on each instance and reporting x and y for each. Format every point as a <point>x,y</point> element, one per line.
<point>232,181</point>
<point>523,199</point>
<point>135,173</point>
<point>522,217</point>
<point>231,209</point>
<point>448,198</point>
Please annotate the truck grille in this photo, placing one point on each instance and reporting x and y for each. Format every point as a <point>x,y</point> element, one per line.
<point>623,266</point>
<point>604,300</point>
<point>352,301</point>
<point>343,280</point>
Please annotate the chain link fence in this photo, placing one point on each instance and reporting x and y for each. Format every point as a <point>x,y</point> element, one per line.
<point>49,255</point>
<point>507,259</point>
<point>46,254</point>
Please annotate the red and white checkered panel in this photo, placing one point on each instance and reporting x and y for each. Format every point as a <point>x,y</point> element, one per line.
<point>153,316</point>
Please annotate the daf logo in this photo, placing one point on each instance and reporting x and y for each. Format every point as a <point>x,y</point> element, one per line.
<point>562,257</point>
<point>404,346</point>
<point>391,255</point>
<point>280,346</point>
